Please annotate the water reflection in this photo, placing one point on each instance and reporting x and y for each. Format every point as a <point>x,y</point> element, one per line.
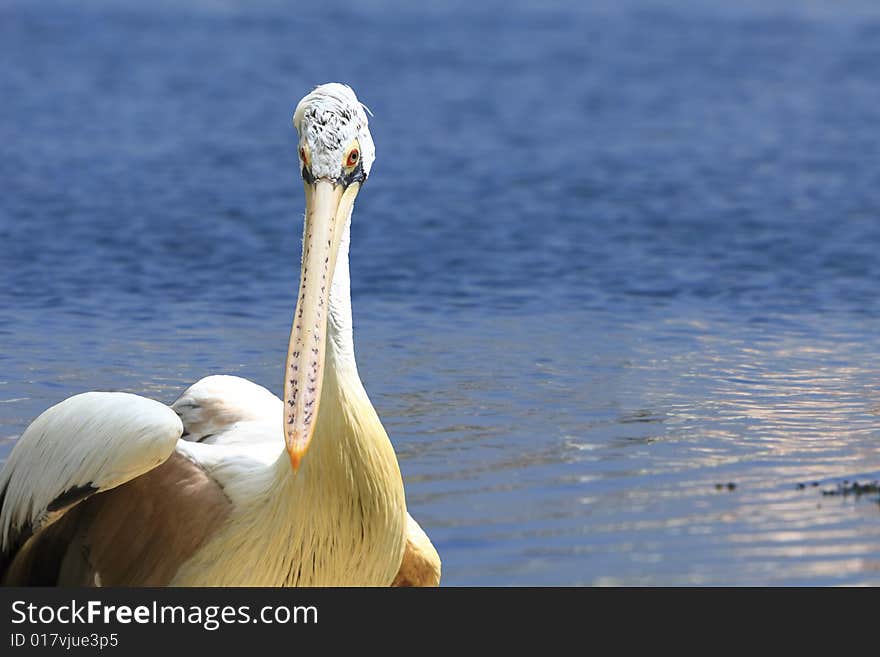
<point>621,467</point>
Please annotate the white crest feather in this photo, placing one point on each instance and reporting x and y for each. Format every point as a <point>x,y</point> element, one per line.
<point>328,120</point>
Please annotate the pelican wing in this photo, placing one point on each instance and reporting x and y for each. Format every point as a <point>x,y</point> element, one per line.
<point>421,563</point>
<point>94,487</point>
<point>229,410</point>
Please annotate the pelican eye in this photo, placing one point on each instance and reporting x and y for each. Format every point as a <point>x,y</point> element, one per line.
<point>353,157</point>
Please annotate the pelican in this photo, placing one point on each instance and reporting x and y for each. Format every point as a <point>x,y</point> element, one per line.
<point>231,486</point>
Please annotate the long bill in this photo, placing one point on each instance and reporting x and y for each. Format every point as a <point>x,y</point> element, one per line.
<point>328,207</point>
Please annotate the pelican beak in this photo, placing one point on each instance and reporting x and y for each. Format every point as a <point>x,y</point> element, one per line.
<point>328,207</point>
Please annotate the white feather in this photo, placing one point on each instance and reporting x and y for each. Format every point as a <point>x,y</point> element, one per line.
<point>213,405</point>
<point>98,439</point>
<point>328,121</point>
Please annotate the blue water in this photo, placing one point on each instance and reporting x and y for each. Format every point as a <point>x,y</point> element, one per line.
<point>611,255</point>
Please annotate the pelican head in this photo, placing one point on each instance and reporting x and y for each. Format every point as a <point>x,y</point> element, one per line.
<point>335,155</point>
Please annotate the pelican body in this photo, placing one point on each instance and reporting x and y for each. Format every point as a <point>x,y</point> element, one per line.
<point>232,486</point>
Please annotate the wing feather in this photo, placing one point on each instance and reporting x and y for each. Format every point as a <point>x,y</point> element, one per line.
<point>421,563</point>
<point>88,443</point>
